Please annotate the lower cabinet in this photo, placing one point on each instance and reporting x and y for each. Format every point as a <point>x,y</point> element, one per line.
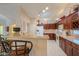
<point>75,49</point>
<point>70,48</point>
<point>62,43</point>
<point>52,36</point>
<point>75,52</point>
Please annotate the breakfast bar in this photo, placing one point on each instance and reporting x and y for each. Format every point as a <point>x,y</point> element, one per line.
<point>39,43</point>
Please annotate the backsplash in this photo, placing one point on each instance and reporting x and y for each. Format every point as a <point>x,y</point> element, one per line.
<point>75,32</point>
<point>70,32</point>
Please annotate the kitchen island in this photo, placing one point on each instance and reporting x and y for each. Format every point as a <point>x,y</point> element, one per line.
<point>39,43</point>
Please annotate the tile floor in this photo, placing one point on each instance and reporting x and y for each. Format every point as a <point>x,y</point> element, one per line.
<point>53,49</point>
<point>46,48</point>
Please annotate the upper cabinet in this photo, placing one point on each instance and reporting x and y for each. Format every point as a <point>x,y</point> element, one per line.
<point>71,21</point>
<point>68,22</point>
<point>50,26</point>
<point>75,21</point>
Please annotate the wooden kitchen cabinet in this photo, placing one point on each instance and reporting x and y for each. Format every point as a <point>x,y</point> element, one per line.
<point>49,26</point>
<point>75,25</point>
<point>52,36</point>
<point>68,21</point>
<point>71,21</point>
<point>75,21</point>
<point>75,49</point>
<point>75,52</point>
<point>68,48</point>
<point>62,43</point>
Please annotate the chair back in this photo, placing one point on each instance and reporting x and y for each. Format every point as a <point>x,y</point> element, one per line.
<point>5,48</point>
<point>20,47</point>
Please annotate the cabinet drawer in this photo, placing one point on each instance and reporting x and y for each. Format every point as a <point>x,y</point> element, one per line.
<point>75,52</point>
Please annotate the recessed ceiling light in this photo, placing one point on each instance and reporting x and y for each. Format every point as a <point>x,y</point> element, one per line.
<point>46,8</point>
<point>43,11</point>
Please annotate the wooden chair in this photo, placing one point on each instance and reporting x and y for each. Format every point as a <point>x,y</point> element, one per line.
<point>15,47</point>
<point>4,47</point>
<point>20,47</point>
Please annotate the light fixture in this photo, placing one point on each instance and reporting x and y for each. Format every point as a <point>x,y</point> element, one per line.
<point>43,11</point>
<point>46,8</point>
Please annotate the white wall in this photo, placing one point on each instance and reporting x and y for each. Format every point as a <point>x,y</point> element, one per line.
<point>23,21</point>
<point>9,11</point>
<point>15,15</point>
<point>32,26</point>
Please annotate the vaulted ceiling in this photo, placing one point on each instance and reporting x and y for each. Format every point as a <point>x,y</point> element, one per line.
<point>34,9</point>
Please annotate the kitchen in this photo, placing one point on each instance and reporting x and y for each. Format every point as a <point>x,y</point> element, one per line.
<point>45,25</point>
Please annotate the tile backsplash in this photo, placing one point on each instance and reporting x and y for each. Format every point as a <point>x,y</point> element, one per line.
<point>76,32</point>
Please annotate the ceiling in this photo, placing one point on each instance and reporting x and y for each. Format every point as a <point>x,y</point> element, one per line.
<point>55,10</point>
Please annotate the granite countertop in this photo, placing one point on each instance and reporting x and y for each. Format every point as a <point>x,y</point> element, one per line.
<point>28,37</point>
<point>71,38</point>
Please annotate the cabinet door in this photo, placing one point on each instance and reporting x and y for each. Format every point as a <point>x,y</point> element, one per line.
<point>75,24</point>
<point>68,23</point>
<point>62,43</point>
<point>68,48</point>
<point>75,52</point>
<point>52,36</point>
<point>49,26</point>
<point>75,21</point>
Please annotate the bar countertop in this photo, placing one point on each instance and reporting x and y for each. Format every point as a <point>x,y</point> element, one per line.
<point>46,37</point>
